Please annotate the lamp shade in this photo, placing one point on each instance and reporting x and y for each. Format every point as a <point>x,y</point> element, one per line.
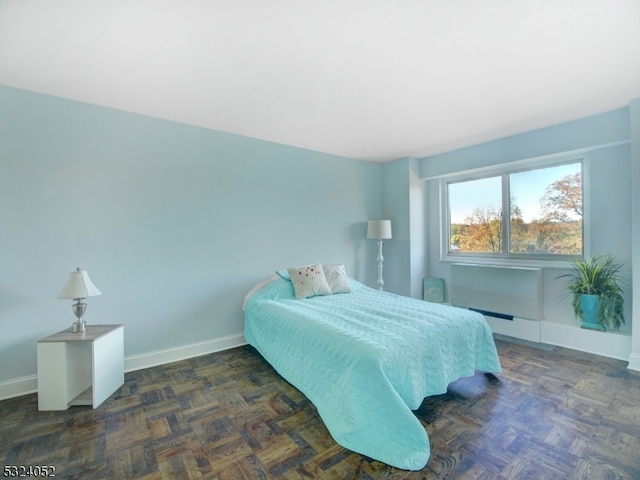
<point>379,229</point>
<point>79,285</point>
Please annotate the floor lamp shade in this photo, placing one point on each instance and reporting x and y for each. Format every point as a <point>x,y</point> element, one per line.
<point>379,229</point>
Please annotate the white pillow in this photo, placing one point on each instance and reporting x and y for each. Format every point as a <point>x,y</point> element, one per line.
<point>337,278</point>
<point>309,281</point>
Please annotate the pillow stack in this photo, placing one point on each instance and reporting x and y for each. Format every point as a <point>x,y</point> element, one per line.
<point>317,279</point>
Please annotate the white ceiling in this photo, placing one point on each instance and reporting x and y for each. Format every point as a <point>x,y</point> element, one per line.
<point>368,79</point>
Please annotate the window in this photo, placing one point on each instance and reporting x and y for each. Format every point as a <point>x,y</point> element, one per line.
<point>527,213</point>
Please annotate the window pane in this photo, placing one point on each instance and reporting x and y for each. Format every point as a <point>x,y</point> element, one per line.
<point>546,211</point>
<point>475,212</point>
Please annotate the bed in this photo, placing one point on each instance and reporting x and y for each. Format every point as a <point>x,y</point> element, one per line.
<point>367,358</point>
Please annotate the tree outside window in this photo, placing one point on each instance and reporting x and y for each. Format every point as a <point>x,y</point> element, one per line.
<point>545,213</point>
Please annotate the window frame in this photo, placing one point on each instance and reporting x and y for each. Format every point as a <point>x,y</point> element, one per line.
<point>505,257</point>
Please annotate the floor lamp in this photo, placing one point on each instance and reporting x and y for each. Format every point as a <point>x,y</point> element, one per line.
<point>379,230</point>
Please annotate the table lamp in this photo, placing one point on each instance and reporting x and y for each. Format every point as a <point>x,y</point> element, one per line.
<point>79,286</point>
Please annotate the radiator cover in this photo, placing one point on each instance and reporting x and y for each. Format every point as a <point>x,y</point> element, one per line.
<point>510,291</point>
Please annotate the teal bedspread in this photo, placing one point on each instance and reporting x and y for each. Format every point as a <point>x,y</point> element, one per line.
<point>366,359</point>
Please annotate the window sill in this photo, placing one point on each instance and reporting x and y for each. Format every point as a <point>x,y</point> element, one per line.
<point>507,262</point>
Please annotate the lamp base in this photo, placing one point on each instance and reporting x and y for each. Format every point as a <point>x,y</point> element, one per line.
<point>78,310</point>
<point>79,326</point>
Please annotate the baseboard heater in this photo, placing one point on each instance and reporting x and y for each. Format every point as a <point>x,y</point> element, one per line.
<point>491,290</point>
<point>488,313</point>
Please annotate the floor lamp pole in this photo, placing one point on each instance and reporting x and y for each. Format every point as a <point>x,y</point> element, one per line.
<point>380,260</point>
<point>380,230</point>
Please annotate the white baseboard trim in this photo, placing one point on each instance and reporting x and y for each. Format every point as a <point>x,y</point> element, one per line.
<point>18,387</point>
<point>517,328</point>
<point>607,344</point>
<point>162,357</point>
<point>634,362</point>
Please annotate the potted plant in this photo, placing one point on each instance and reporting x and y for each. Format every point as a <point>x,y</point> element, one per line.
<point>594,284</point>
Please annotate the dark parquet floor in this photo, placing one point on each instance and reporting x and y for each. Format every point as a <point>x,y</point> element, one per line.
<point>552,414</point>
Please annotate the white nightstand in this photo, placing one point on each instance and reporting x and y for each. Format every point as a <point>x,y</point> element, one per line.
<point>80,368</point>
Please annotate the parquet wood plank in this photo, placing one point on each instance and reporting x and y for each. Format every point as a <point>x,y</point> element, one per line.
<point>553,413</point>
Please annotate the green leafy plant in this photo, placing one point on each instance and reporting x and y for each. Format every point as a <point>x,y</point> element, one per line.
<point>598,275</point>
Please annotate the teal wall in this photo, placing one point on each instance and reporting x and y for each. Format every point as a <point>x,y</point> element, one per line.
<point>404,204</point>
<point>634,114</point>
<point>591,132</point>
<point>174,223</point>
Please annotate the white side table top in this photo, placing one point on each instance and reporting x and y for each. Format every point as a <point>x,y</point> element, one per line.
<point>92,333</point>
